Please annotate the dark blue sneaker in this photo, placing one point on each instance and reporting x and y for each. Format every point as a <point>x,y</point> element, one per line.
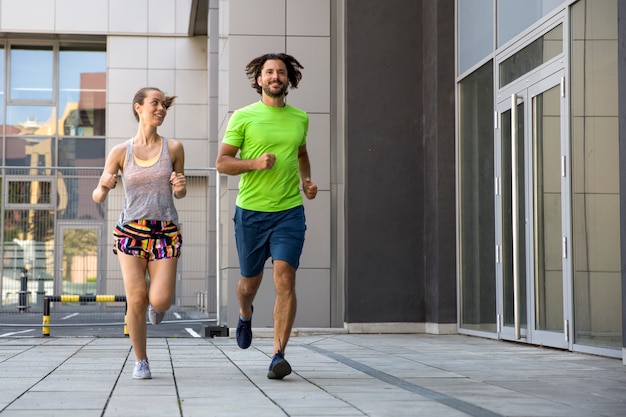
<point>279,368</point>
<point>244,332</point>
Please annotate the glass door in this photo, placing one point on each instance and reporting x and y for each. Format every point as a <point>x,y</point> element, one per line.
<point>533,279</point>
<point>78,259</point>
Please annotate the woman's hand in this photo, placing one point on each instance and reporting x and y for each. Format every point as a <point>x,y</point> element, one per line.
<point>106,183</point>
<point>179,184</point>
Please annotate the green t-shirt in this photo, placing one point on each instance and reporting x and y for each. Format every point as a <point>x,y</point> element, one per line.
<point>257,129</point>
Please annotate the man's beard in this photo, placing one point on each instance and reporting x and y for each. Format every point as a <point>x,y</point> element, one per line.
<point>282,92</point>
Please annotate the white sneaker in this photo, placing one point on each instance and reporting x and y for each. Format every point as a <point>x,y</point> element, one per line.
<point>142,370</point>
<point>155,316</point>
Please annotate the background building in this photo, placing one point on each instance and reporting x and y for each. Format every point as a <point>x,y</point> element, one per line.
<point>467,154</point>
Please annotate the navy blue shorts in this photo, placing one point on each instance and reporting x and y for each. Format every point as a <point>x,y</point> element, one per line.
<point>260,235</point>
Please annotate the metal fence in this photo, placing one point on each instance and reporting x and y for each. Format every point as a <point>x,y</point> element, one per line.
<point>56,241</point>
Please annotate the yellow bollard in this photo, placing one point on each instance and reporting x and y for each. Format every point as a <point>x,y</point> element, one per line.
<point>46,329</point>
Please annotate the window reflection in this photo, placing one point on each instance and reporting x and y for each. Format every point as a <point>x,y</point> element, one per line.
<point>74,196</point>
<point>23,192</point>
<point>28,242</point>
<point>78,152</point>
<point>475,32</point>
<point>31,120</point>
<point>514,16</point>
<point>35,131</point>
<point>476,202</point>
<point>31,73</point>
<point>82,92</point>
<point>75,192</point>
<point>53,131</point>
<point>30,152</point>
<point>2,95</point>
<point>596,175</point>
<point>532,56</point>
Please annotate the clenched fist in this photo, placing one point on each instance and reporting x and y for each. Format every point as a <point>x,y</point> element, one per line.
<point>179,184</point>
<point>309,188</point>
<point>265,162</point>
<point>108,181</point>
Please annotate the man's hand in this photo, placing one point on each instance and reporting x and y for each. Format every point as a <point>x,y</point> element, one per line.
<point>265,162</point>
<point>309,188</point>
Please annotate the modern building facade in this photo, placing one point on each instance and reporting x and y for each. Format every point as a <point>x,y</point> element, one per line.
<point>468,153</point>
<point>539,167</point>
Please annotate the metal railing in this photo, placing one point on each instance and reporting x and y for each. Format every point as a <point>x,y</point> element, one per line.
<point>56,241</point>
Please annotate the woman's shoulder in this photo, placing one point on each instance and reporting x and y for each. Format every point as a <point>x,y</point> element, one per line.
<point>117,155</point>
<point>173,144</point>
<point>175,149</point>
<point>119,149</point>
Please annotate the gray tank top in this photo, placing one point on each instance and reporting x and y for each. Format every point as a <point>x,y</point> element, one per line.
<point>147,189</point>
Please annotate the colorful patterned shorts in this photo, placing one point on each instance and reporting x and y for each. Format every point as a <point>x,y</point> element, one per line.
<point>149,239</point>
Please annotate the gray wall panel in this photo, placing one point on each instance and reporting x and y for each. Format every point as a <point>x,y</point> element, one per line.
<point>400,210</point>
<point>439,162</point>
<point>384,160</point>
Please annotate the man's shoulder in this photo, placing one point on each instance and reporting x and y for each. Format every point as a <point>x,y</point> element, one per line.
<point>297,111</point>
<point>243,114</point>
<point>249,108</point>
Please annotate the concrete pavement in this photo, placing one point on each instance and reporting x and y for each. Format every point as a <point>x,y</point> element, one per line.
<point>335,374</point>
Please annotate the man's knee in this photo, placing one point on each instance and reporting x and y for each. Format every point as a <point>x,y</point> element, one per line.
<point>250,285</point>
<point>284,276</point>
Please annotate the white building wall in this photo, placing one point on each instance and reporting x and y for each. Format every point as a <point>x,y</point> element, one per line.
<point>250,28</point>
<point>148,43</point>
<point>96,16</point>
<point>178,66</point>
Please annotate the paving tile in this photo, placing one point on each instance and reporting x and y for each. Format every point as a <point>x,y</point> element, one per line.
<point>338,374</point>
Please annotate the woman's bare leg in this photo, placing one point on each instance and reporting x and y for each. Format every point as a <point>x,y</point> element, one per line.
<point>162,283</point>
<point>135,286</point>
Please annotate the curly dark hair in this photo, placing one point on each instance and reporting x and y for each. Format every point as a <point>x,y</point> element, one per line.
<point>143,92</point>
<point>254,68</point>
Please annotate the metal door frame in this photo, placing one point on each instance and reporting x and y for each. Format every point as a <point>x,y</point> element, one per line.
<point>526,90</point>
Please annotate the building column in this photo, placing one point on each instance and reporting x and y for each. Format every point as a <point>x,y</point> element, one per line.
<point>439,167</point>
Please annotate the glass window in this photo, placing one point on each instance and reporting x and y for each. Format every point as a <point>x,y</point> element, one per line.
<point>596,175</point>
<point>31,120</point>
<point>476,201</point>
<point>31,73</point>
<point>2,92</point>
<point>29,192</point>
<point>74,189</point>
<point>53,124</point>
<point>532,56</point>
<point>475,32</point>
<point>514,16</point>
<point>26,236</point>
<point>82,91</point>
<point>79,152</point>
<point>30,152</point>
